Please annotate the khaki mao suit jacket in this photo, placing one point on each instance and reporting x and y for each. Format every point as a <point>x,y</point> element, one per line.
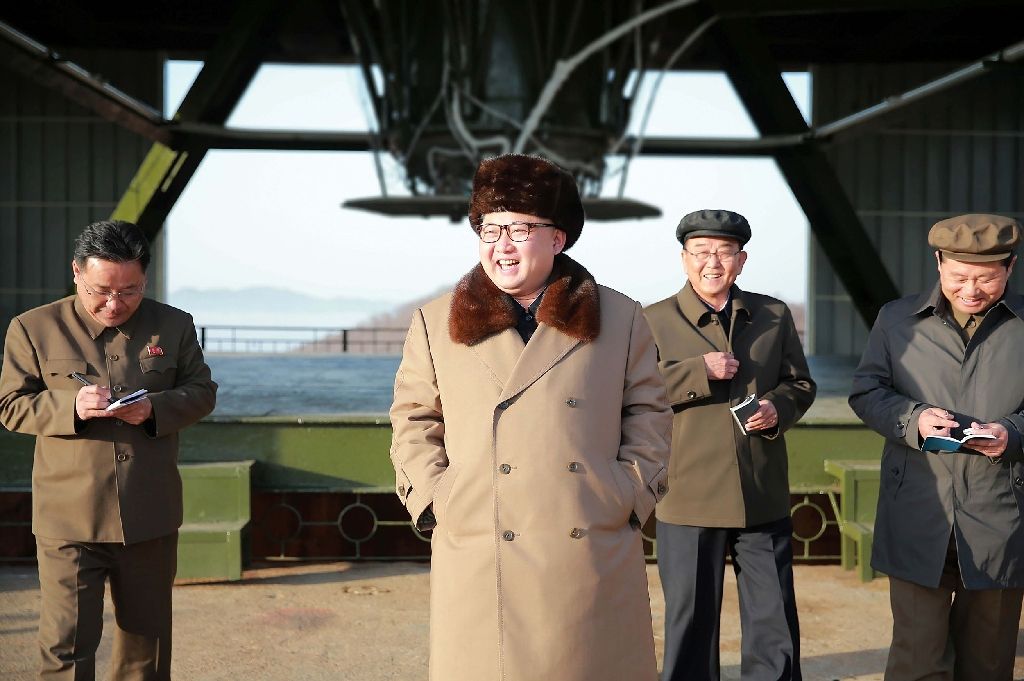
<point>104,480</point>
<point>915,359</point>
<point>719,477</point>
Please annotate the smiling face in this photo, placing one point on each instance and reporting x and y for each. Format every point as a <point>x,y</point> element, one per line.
<point>521,268</point>
<point>100,278</point>
<point>712,278</point>
<point>972,287</point>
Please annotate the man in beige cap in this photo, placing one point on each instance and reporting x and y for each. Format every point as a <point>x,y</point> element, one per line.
<point>948,530</point>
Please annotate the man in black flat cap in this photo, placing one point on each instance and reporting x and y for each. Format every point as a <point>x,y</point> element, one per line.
<point>728,484</point>
<point>948,531</point>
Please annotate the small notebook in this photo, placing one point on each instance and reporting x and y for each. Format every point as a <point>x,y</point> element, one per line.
<point>744,410</point>
<point>127,399</point>
<point>941,443</point>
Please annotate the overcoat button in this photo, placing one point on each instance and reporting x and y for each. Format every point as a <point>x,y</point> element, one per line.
<point>574,466</point>
<point>401,490</point>
<point>503,405</point>
<point>661,488</point>
<point>895,471</point>
<point>508,535</point>
<point>1019,481</point>
<point>113,358</point>
<point>505,468</point>
<point>571,402</point>
<point>122,457</point>
<point>118,388</point>
<point>576,533</point>
<point>691,394</point>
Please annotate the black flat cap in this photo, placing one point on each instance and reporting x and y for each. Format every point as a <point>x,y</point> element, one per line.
<point>720,223</point>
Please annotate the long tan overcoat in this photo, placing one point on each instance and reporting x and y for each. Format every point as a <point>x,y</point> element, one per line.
<point>104,480</point>
<point>719,477</point>
<point>533,461</point>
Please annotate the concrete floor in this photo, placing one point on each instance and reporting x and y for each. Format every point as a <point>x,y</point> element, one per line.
<point>368,622</point>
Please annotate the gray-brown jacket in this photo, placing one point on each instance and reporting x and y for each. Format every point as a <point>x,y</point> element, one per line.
<point>103,480</point>
<point>915,359</point>
<point>719,477</point>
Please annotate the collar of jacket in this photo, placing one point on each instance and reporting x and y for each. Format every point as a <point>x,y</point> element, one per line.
<point>697,312</point>
<point>571,304</point>
<point>95,328</point>
<point>934,301</point>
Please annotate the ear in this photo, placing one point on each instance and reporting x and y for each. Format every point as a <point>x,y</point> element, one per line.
<point>74,268</point>
<point>1009,268</point>
<point>558,242</point>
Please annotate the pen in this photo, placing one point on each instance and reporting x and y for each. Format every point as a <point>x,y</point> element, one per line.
<point>80,378</point>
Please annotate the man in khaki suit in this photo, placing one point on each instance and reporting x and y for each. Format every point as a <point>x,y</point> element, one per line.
<point>728,487</point>
<point>106,495</point>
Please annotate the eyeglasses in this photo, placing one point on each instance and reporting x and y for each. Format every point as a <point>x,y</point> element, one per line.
<point>723,256</point>
<point>124,296</point>
<point>517,231</point>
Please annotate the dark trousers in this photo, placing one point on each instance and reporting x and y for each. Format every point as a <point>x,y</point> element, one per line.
<point>691,562</point>
<point>951,633</point>
<point>72,578</point>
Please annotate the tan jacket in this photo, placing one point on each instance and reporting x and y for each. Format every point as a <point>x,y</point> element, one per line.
<point>107,481</point>
<point>719,477</point>
<point>534,459</point>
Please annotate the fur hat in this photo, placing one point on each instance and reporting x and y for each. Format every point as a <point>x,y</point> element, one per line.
<point>516,183</point>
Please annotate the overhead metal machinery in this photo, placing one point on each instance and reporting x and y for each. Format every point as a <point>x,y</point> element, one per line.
<point>454,81</point>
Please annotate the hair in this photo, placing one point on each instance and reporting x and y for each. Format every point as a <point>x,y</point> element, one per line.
<point>112,240</point>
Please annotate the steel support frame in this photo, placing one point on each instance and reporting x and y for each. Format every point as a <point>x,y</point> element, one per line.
<point>226,73</point>
<point>42,66</point>
<point>833,220</point>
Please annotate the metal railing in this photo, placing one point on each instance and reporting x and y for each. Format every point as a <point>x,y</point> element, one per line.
<point>301,339</point>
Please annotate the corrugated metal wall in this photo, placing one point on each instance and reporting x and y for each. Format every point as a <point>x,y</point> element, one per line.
<point>61,167</point>
<point>963,154</point>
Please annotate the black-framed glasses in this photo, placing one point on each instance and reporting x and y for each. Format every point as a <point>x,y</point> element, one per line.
<point>124,296</point>
<point>517,231</point>
<point>723,256</point>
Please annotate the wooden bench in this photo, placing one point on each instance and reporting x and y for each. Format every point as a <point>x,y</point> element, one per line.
<point>855,510</point>
<point>212,541</point>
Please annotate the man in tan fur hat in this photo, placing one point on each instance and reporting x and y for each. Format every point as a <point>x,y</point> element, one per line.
<point>530,435</point>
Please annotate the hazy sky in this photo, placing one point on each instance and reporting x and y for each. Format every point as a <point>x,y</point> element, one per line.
<point>274,218</point>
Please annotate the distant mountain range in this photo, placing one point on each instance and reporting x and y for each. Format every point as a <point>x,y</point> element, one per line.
<point>275,307</point>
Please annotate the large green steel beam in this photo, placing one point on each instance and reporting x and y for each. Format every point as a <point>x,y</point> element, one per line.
<point>758,82</point>
<point>226,73</point>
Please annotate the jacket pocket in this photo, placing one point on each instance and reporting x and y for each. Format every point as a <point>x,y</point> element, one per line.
<point>158,373</point>
<point>627,491</point>
<point>894,470</point>
<point>442,492</point>
<point>57,373</point>
<point>159,363</point>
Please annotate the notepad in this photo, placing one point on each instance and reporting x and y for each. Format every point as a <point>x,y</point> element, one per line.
<point>941,443</point>
<point>744,410</point>
<point>127,399</point>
